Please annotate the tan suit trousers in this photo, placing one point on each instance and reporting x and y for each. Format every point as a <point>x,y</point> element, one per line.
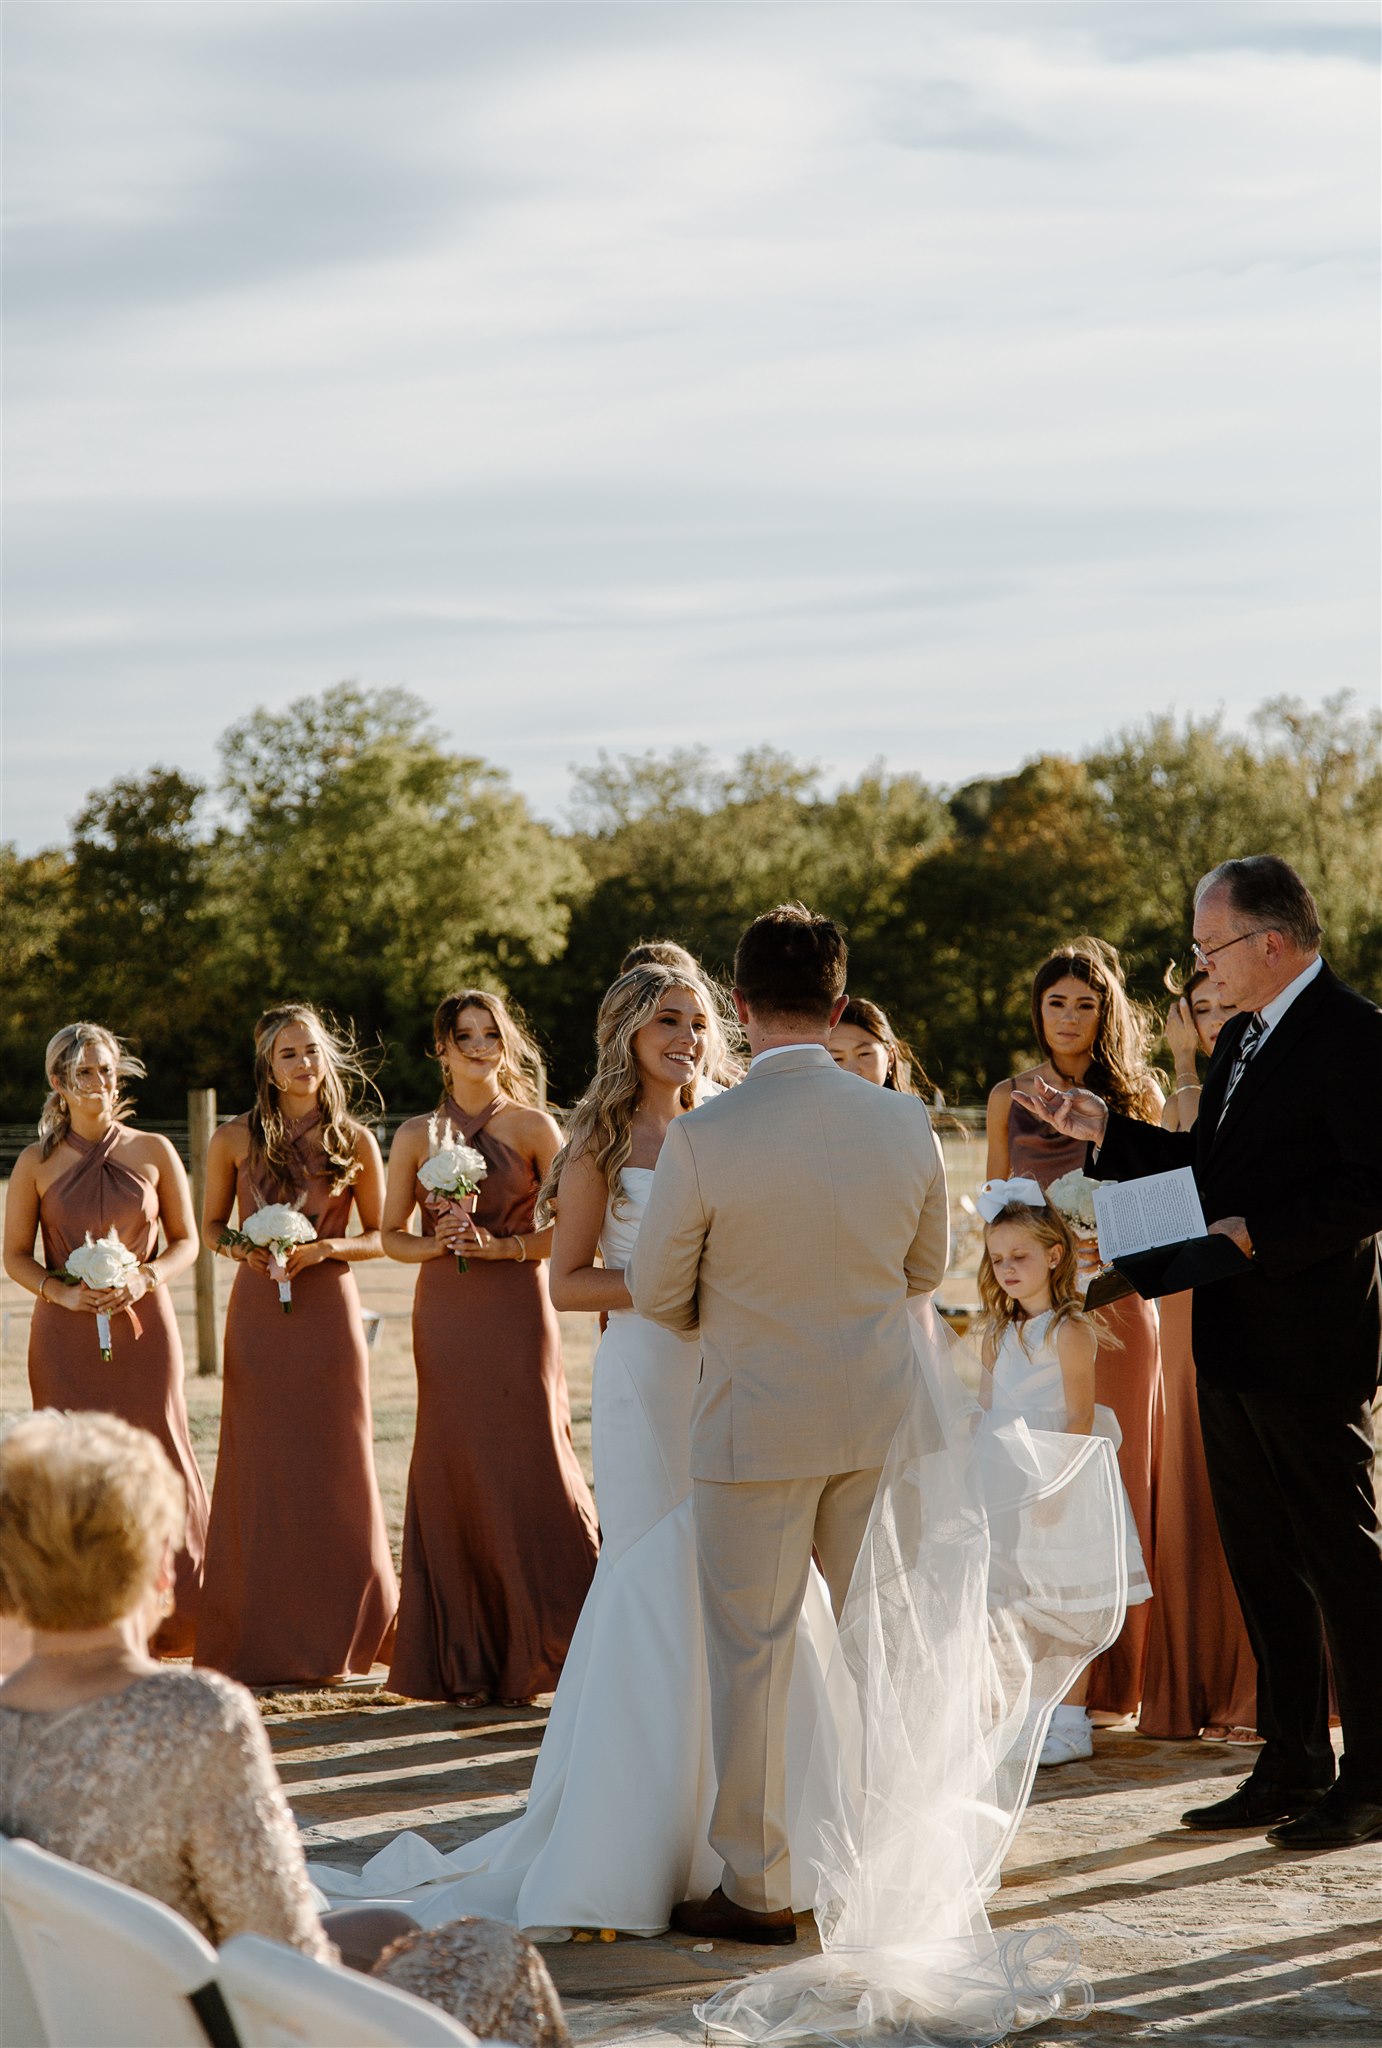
<point>754,1540</point>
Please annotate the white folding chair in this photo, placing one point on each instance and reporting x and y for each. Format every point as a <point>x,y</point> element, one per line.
<point>280,1998</point>
<point>20,2024</point>
<point>108,1967</point>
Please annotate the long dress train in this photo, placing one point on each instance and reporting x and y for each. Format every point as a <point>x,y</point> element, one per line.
<point>615,1831</point>
<point>143,1382</point>
<point>300,1583</point>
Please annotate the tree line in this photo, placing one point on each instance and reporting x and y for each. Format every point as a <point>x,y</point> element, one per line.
<point>347,857</point>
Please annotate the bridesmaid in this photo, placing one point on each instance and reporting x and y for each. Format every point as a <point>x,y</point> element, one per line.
<point>500,1536</point>
<point>1091,1036</point>
<point>864,1043</point>
<point>300,1586</point>
<point>90,1171</point>
<point>1201,1673</point>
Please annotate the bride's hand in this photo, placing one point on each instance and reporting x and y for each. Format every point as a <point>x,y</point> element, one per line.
<point>1080,1113</point>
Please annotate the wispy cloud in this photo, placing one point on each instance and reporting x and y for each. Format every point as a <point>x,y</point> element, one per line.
<point>939,381</point>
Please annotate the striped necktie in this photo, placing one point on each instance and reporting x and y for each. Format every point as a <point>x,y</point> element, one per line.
<point>1247,1046</point>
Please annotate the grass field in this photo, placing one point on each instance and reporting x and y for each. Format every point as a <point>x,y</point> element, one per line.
<point>388,1289</point>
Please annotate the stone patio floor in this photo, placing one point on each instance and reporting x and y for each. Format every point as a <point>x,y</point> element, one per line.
<point>1217,1940</point>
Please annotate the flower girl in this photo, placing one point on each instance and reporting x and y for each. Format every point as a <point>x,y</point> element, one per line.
<point>1038,1351</point>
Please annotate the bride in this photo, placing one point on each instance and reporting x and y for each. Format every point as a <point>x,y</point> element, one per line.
<point>616,1828</point>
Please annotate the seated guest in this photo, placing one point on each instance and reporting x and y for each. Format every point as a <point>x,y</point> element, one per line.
<point>486,1975</point>
<point>157,1777</point>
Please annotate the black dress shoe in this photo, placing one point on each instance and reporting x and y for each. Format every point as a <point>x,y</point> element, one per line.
<point>1338,1820</point>
<point>1253,1805</point>
<point>719,1919</point>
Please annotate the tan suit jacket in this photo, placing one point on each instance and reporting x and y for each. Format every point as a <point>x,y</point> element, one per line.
<point>789,1220</point>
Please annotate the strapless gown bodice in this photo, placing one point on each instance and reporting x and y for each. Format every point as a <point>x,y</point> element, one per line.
<point>640,1403</point>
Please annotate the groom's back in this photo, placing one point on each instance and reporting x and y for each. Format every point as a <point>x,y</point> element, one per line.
<point>824,1206</point>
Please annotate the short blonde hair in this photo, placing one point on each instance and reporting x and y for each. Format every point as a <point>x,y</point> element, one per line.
<point>87,1505</point>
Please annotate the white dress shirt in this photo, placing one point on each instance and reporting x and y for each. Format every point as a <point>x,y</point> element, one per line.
<point>772,1051</point>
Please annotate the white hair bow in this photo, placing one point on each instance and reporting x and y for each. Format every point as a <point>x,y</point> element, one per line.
<point>995,1195</point>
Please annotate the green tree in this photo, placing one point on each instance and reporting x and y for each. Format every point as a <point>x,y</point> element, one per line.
<point>367,869</point>
<point>35,899</point>
<point>1033,861</point>
<point>139,946</point>
<point>677,847</point>
<point>1327,765</point>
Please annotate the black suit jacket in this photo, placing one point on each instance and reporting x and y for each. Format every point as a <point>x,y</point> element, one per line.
<point>1299,1155</point>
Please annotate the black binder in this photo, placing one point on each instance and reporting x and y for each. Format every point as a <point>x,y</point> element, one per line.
<point>1168,1269</point>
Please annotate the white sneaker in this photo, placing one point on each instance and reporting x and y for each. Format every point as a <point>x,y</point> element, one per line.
<point>1067,1742</point>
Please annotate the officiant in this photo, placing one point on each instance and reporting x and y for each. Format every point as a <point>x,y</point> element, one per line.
<point>1286,1153</point>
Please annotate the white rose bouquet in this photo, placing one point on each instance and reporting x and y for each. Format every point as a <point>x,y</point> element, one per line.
<point>276,1228</point>
<point>100,1263</point>
<point>1073,1196</point>
<point>452,1174</point>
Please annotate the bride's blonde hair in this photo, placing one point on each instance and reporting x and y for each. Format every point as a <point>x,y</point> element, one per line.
<point>61,1059</point>
<point>601,1124</point>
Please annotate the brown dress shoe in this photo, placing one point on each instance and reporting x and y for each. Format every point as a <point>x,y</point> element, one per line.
<point>719,1919</point>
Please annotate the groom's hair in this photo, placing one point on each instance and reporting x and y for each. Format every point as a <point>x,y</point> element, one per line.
<point>790,963</point>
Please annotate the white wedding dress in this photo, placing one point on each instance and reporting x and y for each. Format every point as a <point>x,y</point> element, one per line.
<point>615,1831</point>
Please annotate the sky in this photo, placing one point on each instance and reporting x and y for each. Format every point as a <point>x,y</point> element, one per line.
<point>935,383</point>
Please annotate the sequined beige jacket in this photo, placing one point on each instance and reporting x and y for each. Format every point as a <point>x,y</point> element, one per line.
<point>169,1787</point>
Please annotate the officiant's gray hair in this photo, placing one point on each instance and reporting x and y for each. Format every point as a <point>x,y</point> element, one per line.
<point>1266,890</point>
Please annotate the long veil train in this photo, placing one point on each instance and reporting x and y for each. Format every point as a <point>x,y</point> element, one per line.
<point>994,1568</point>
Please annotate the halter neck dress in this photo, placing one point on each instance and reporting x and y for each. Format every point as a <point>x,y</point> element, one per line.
<point>142,1384</point>
<point>500,1533</point>
<point>1128,1381</point>
<point>300,1584</point>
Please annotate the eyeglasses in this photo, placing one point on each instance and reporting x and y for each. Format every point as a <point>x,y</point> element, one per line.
<point>1207,955</point>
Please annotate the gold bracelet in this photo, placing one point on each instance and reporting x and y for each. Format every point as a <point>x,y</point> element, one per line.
<point>42,1288</point>
<point>522,1251</point>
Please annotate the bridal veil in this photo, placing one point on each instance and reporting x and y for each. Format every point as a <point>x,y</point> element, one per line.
<point>992,1571</point>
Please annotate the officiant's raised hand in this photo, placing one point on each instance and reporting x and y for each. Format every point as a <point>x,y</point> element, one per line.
<point>1075,1112</point>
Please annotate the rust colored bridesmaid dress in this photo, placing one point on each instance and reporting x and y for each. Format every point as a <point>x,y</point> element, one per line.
<point>500,1538</point>
<point>299,1584</point>
<point>143,1382</point>
<point>1200,1668</point>
<point>1129,1382</point>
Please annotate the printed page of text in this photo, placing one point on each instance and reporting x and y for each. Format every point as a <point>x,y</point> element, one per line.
<point>1139,1215</point>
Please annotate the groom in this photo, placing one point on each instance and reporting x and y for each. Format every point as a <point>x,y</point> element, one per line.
<point>789,1221</point>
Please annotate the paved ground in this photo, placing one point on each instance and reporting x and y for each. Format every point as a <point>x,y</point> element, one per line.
<point>1216,1940</point>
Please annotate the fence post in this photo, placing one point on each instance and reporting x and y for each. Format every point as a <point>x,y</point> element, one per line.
<point>201,1123</point>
